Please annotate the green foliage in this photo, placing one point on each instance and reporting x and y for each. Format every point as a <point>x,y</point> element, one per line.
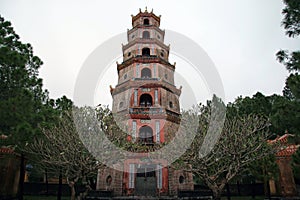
<point>284,114</point>
<point>61,148</point>
<point>291,61</point>
<point>263,169</point>
<point>258,104</point>
<point>292,89</point>
<point>22,96</point>
<point>241,143</point>
<point>291,21</point>
<point>24,105</point>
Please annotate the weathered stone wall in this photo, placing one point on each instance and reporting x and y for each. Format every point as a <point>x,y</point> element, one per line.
<point>167,97</point>
<point>286,177</point>
<point>138,33</point>
<point>121,101</point>
<point>9,172</point>
<point>127,73</point>
<point>111,180</point>
<point>180,180</point>
<point>170,130</point>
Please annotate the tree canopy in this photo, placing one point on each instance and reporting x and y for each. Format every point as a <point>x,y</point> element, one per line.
<point>291,60</point>
<point>242,142</point>
<point>22,97</point>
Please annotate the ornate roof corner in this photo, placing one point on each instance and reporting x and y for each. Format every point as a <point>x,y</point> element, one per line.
<point>111,89</point>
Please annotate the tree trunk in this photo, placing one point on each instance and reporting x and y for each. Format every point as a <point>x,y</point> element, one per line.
<point>21,179</point>
<point>47,184</point>
<point>238,188</point>
<point>216,193</point>
<point>73,193</point>
<point>72,187</point>
<point>59,186</point>
<point>228,191</point>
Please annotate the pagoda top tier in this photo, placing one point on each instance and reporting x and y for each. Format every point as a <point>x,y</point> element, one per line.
<point>146,19</point>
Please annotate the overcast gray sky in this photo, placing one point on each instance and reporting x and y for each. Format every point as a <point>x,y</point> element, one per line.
<point>240,36</point>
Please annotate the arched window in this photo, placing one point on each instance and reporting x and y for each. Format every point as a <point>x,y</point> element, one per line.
<point>108,180</point>
<point>145,52</point>
<point>146,73</point>
<point>146,134</point>
<point>146,21</point>
<point>181,179</point>
<point>145,100</point>
<point>146,34</point>
<point>121,104</point>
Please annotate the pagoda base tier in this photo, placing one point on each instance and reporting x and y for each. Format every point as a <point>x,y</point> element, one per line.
<point>146,180</point>
<point>147,198</point>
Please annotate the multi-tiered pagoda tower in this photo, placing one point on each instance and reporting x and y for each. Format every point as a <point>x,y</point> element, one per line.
<point>148,102</point>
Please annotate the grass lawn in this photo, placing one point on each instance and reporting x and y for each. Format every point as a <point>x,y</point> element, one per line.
<point>45,197</point>
<point>67,198</point>
<point>245,198</point>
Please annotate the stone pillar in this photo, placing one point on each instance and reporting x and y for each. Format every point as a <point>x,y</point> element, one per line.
<point>286,177</point>
<point>272,185</point>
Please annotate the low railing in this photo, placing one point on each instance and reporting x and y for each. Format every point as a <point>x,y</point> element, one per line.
<point>146,110</point>
<point>146,79</point>
<point>174,114</point>
<point>147,57</point>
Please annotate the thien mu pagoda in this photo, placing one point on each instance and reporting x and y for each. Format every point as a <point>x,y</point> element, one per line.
<point>148,100</point>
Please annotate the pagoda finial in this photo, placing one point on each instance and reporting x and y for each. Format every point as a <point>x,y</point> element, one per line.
<point>140,10</point>
<point>146,9</point>
<point>132,15</point>
<point>152,10</point>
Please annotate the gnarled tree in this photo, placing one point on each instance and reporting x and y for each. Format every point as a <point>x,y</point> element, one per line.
<point>61,150</point>
<point>242,141</point>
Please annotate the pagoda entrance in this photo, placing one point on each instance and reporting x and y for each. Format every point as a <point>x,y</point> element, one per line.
<point>146,181</point>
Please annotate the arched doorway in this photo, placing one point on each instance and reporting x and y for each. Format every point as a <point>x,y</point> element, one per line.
<point>146,73</point>
<point>145,52</point>
<point>145,100</point>
<point>146,180</point>
<point>146,135</point>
